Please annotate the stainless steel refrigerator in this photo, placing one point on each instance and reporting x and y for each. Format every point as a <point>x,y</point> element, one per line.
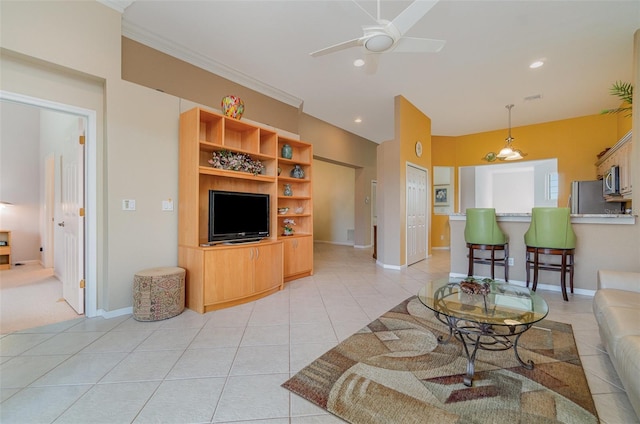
<point>587,198</point>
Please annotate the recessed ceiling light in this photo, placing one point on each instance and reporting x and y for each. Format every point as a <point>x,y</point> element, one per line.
<point>357,120</point>
<point>536,64</point>
<point>358,63</point>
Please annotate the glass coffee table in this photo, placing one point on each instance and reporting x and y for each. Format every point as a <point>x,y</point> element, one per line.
<point>483,314</point>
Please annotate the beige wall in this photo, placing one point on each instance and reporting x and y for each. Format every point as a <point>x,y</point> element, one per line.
<point>333,202</point>
<point>151,68</point>
<point>344,148</point>
<point>71,52</point>
<point>53,50</point>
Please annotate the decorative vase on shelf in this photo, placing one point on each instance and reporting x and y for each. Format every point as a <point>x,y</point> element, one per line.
<point>232,106</point>
<point>297,172</point>
<point>287,190</point>
<point>286,152</point>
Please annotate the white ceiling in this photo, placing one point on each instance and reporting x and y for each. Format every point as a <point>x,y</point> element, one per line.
<point>265,45</point>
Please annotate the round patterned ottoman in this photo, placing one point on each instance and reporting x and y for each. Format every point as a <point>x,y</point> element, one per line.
<point>158,293</point>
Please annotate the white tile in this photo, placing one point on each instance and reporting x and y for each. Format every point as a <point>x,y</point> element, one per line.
<point>143,366</point>
<point>183,401</point>
<point>118,341</point>
<point>303,354</point>
<point>40,404</point>
<point>230,317</point>
<point>196,363</point>
<point>64,343</point>
<point>6,394</point>
<point>98,324</point>
<point>169,339</point>
<point>216,337</point>
<point>266,335</point>
<point>615,408</point>
<point>132,324</point>
<point>17,343</point>
<point>23,370</point>
<point>312,333</point>
<point>110,403</point>
<point>81,369</point>
<point>187,319</point>
<point>261,360</point>
<point>253,397</point>
<point>53,328</point>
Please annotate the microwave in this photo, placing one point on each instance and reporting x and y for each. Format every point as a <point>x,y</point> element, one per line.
<point>611,181</point>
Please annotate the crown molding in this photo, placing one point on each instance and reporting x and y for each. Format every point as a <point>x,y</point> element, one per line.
<point>118,5</point>
<point>184,53</point>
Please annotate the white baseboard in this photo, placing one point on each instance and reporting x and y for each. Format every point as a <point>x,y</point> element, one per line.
<point>441,248</point>
<point>115,312</point>
<point>334,242</point>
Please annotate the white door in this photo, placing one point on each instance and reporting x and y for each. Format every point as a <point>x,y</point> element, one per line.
<point>417,229</point>
<point>73,217</point>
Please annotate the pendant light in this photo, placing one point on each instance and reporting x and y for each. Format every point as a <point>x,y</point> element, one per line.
<point>508,152</point>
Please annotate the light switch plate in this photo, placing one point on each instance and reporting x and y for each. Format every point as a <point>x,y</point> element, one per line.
<point>167,205</point>
<point>128,205</point>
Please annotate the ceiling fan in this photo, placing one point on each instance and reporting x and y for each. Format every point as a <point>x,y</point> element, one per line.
<point>388,36</point>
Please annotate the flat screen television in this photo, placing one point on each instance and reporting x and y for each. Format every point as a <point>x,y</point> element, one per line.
<point>238,217</point>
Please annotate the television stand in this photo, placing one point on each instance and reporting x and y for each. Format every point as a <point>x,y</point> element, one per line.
<point>245,241</point>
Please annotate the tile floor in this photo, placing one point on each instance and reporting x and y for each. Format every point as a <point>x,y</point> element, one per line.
<point>227,366</point>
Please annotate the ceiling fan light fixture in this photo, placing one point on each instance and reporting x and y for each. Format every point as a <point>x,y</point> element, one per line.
<point>378,43</point>
<point>536,64</point>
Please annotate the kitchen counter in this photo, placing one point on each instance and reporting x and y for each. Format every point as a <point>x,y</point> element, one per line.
<point>603,241</point>
<point>575,218</point>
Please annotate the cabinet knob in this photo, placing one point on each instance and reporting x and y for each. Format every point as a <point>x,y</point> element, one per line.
<point>61,224</point>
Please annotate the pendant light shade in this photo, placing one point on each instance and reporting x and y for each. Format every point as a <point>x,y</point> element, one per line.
<point>508,152</point>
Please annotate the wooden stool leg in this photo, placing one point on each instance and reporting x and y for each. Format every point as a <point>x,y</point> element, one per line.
<point>535,270</point>
<point>527,267</point>
<point>493,261</point>
<point>571,268</point>
<point>506,262</point>
<point>470,273</point>
<point>563,276</point>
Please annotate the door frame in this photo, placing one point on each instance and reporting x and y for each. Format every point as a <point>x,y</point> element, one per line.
<point>427,211</point>
<point>90,188</point>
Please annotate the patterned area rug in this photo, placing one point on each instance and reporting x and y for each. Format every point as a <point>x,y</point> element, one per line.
<point>395,371</point>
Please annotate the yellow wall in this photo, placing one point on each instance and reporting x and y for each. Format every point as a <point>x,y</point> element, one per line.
<point>412,125</point>
<point>574,142</point>
<point>443,153</point>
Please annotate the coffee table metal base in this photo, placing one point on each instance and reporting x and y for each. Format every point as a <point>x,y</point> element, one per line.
<point>477,336</point>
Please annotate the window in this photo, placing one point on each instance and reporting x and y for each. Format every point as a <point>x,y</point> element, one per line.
<point>552,186</point>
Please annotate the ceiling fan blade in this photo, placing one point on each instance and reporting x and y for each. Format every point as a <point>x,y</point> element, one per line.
<point>418,45</point>
<point>371,63</point>
<point>337,47</point>
<point>412,14</point>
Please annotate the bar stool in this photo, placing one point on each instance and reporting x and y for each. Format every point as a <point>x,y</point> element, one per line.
<point>481,232</point>
<point>550,234</point>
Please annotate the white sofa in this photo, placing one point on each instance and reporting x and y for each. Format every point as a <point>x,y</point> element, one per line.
<point>616,306</point>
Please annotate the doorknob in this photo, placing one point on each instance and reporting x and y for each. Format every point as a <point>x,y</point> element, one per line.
<point>61,224</point>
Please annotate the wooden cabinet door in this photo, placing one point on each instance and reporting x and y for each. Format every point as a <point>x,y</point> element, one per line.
<point>228,274</point>
<point>267,267</point>
<point>298,255</point>
<point>624,154</point>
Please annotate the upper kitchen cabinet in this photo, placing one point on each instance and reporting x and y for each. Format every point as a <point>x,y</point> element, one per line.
<point>619,155</point>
